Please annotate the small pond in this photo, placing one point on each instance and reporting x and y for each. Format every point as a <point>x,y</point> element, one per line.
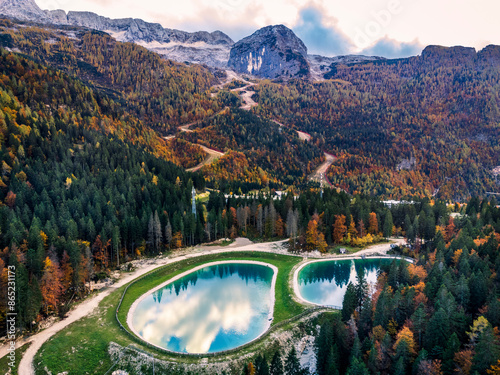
<point>325,282</point>
<point>210,309</point>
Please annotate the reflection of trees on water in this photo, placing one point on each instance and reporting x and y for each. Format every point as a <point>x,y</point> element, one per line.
<point>246,272</point>
<point>157,295</point>
<point>339,271</point>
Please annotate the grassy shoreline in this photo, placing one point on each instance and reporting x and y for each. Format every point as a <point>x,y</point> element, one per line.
<point>82,346</point>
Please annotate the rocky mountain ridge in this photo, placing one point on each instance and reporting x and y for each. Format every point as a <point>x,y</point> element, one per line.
<point>198,47</point>
<point>270,52</point>
<point>286,54</point>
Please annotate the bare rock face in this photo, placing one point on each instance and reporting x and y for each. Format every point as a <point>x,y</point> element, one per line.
<point>24,10</point>
<point>271,52</point>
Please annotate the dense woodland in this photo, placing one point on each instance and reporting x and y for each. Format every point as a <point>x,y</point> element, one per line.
<point>277,153</point>
<point>439,108</point>
<point>159,92</point>
<point>439,315</point>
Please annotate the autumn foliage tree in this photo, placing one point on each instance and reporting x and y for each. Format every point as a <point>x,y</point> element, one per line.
<point>314,238</point>
<point>373,223</point>
<point>339,228</point>
<point>50,286</point>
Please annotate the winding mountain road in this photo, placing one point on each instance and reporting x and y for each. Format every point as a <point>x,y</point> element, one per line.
<point>213,155</point>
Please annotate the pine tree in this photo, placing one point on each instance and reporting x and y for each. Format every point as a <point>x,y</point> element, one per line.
<point>168,233</point>
<point>419,319</point>
<point>261,366</point>
<point>361,286</point>
<point>292,364</point>
<point>350,302</point>
<point>373,223</point>
<point>388,225</point>
<point>438,331</point>
<point>66,273</point>
<point>276,364</point>
<point>452,347</point>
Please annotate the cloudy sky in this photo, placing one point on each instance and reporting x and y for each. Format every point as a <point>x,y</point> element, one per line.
<point>390,28</point>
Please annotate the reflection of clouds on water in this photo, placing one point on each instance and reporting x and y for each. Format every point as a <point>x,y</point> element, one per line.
<point>325,283</point>
<point>206,314</point>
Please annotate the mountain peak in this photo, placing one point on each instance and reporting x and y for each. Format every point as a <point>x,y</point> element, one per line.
<point>457,53</point>
<point>271,52</point>
<point>24,10</point>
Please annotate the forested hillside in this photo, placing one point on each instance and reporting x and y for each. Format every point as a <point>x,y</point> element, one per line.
<point>277,153</point>
<point>82,185</point>
<point>87,182</point>
<point>163,94</point>
<point>418,126</point>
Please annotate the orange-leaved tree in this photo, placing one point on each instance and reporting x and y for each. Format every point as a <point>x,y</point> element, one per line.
<point>51,285</point>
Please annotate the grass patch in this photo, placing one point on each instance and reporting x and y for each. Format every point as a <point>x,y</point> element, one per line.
<point>4,362</point>
<point>353,250</point>
<point>82,347</point>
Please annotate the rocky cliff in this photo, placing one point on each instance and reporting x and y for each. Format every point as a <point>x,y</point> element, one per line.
<point>271,52</point>
<point>198,47</point>
<point>25,10</point>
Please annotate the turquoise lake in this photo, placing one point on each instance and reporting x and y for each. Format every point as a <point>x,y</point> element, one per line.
<point>215,308</point>
<point>325,283</point>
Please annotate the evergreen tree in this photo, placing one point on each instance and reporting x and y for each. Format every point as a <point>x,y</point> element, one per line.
<point>419,319</point>
<point>276,364</point>
<point>361,286</point>
<point>292,364</point>
<point>350,302</point>
<point>438,331</point>
<point>388,224</point>
<point>487,351</point>
<point>357,367</point>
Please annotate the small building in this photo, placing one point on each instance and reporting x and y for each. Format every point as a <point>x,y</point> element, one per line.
<point>343,250</point>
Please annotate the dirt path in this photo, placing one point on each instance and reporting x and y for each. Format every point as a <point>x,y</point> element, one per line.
<point>185,128</point>
<point>381,248</point>
<point>319,175</point>
<point>87,306</point>
<point>213,155</point>
<point>249,102</point>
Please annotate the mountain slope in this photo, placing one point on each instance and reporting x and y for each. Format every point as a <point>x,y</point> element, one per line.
<point>440,111</point>
<point>198,47</point>
<point>162,93</point>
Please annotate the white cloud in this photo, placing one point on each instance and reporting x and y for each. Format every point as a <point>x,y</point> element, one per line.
<point>363,22</point>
